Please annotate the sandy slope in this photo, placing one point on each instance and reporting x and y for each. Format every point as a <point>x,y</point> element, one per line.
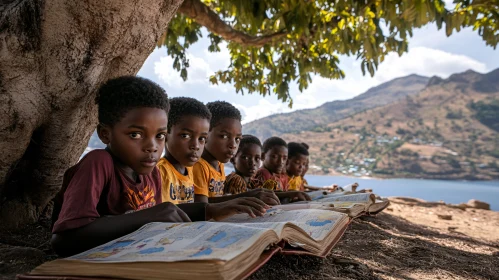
<point>407,241</point>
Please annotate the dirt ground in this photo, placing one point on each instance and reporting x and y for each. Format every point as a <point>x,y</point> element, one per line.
<point>407,241</point>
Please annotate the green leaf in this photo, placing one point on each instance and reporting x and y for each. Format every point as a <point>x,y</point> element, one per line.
<point>317,32</point>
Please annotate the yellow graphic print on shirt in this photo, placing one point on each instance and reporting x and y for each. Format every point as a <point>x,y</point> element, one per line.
<point>295,183</point>
<point>216,188</point>
<point>175,187</point>
<point>207,180</point>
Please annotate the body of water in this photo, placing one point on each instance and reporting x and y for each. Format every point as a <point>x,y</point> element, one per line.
<point>430,190</point>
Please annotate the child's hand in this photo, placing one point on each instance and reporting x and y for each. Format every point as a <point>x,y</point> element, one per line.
<point>293,196</point>
<point>264,195</point>
<point>250,205</point>
<point>165,212</point>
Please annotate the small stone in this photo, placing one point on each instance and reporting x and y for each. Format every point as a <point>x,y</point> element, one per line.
<point>389,209</point>
<point>461,206</point>
<point>477,204</point>
<point>452,228</point>
<point>444,217</point>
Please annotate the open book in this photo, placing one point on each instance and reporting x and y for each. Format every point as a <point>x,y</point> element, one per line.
<point>231,249</point>
<point>352,209</point>
<point>353,204</point>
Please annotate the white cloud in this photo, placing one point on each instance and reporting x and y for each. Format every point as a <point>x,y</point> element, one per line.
<point>427,62</point>
<point>201,67</point>
<point>262,109</point>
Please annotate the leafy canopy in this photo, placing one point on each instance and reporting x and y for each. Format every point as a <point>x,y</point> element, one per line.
<point>292,39</point>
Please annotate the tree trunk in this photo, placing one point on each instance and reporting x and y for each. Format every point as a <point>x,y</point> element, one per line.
<point>54,54</point>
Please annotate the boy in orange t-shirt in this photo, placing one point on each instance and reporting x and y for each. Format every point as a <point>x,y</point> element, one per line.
<point>297,159</point>
<point>222,143</point>
<point>188,124</point>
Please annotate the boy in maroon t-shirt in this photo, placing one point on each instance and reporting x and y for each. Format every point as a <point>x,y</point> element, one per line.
<point>123,178</point>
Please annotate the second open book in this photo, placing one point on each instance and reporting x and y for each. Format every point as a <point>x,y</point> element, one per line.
<point>345,200</point>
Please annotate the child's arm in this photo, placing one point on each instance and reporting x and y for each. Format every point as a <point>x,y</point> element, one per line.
<point>292,196</point>
<point>264,195</point>
<point>201,198</point>
<point>105,229</point>
<point>252,206</point>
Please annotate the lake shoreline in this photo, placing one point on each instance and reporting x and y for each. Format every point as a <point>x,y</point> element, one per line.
<point>465,178</point>
<point>450,191</point>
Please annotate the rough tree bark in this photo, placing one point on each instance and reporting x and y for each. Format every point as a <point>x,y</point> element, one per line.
<point>53,56</point>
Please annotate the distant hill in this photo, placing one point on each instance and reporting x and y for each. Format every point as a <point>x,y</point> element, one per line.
<point>449,130</point>
<point>310,119</point>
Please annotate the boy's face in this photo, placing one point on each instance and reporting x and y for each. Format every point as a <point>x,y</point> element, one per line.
<point>223,139</point>
<point>248,160</point>
<point>305,169</point>
<point>187,138</point>
<point>275,159</point>
<point>137,140</point>
<point>296,164</point>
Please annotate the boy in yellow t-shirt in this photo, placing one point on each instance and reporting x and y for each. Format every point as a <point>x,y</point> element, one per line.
<point>297,159</point>
<point>187,129</point>
<point>222,143</point>
<point>188,124</point>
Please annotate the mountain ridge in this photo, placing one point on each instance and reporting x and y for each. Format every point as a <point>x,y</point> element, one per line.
<point>449,130</point>
<point>308,119</point>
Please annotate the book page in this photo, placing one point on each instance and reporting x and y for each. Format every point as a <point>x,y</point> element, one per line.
<point>316,222</point>
<point>359,197</point>
<point>310,205</point>
<point>350,187</point>
<point>170,242</point>
<point>317,194</point>
<point>346,204</point>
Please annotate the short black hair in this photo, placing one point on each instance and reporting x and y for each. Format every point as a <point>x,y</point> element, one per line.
<point>222,110</point>
<point>248,140</point>
<point>305,145</point>
<point>272,142</point>
<point>186,106</point>
<point>295,149</point>
<point>118,96</point>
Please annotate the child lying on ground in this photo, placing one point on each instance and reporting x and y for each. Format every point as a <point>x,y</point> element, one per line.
<point>275,155</point>
<point>246,162</point>
<point>297,159</point>
<point>222,143</point>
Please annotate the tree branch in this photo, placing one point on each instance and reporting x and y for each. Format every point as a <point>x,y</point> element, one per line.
<point>204,16</point>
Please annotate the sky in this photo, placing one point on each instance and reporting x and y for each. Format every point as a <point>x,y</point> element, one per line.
<point>430,53</point>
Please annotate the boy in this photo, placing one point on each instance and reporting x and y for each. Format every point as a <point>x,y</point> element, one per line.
<point>188,125</point>
<point>275,156</point>
<point>305,170</point>
<point>222,143</point>
<point>123,178</point>
<point>297,159</point>
<point>246,162</point>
